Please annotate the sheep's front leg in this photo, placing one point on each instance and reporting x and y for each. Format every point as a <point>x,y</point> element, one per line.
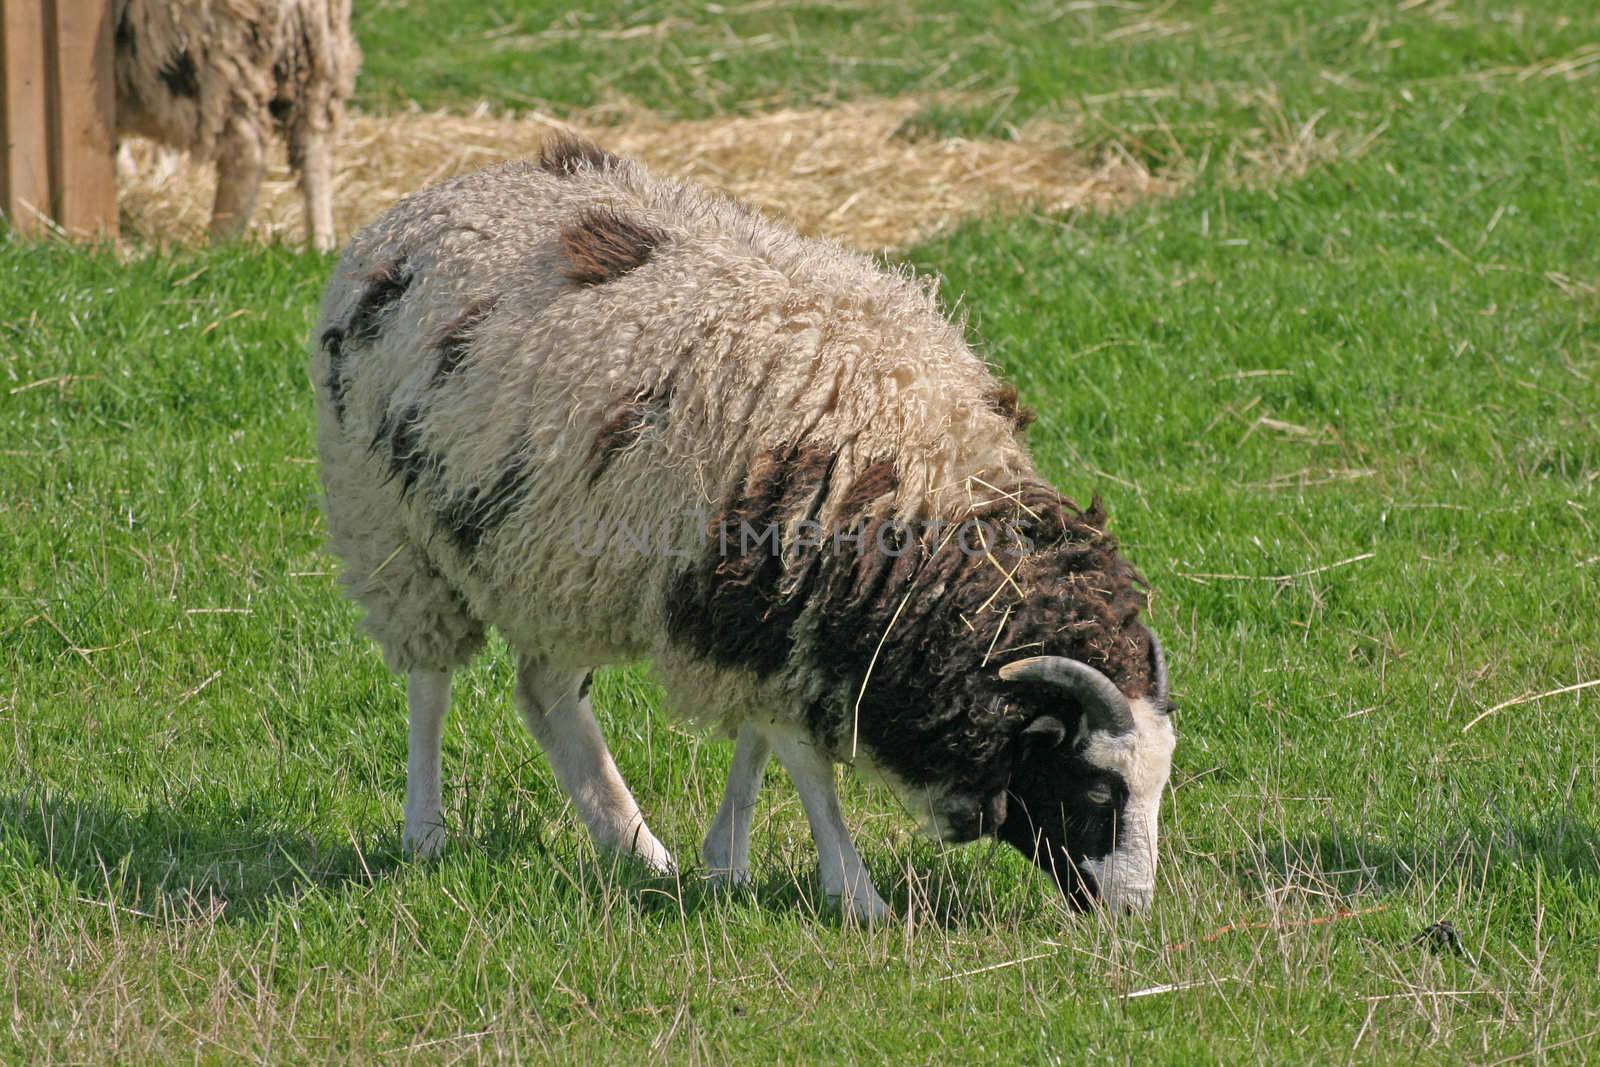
<point>428,701</point>
<point>240,164</point>
<point>555,705</point>
<point>727,844</point>
<point>316,181</point>
<point>843,874</point>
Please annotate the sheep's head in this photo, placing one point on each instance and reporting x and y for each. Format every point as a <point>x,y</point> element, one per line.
<point>1087,778</point>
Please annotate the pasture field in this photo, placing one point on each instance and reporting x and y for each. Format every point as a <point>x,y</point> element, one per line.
<point>1337,379</point>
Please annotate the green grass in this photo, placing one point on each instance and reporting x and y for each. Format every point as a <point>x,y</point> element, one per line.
<point>1165,81</point>
<point>1381,376</point>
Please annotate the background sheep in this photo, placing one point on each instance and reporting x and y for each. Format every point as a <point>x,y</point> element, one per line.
<point>514,360</point>
<point>213,78</point>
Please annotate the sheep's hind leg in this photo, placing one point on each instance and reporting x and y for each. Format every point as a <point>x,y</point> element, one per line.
<point>843,875</point>
<point>241,162</point>
<point>727,845</point>
<point>428,700</point>
<point>555,705</point>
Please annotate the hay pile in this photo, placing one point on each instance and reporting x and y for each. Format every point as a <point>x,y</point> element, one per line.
<point>841,172</point>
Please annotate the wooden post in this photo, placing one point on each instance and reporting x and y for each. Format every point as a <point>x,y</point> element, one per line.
<point>83,127</point>
<point>24,148</point>
<point>58,116</point>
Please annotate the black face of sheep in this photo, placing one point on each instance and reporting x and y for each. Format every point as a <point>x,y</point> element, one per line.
<point>1087,779</point>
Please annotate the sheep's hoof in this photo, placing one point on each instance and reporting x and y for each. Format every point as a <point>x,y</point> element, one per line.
<point>868,912</point>
<point>720,869</point>
<point>659,862</point>
<point>729,878</point>
<point>644,847</point>
<point>423,842</point>
<point>863,908</point>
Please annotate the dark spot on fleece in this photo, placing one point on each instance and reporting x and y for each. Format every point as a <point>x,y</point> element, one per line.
<point>468,516</point>
<point>875,480</point>
<point>333,344</point>
<point>122,37</point>
<point>584,686</point>
<point>400,435</point>
<point>935,625</point>
<point>1005,402</point>
<point>456,340</point>
<point>565,154</point>
<point>180,77</point>
<point>642,413</point>
<point>465,516</point>
<point>602,245</point>
<point>384,288</point>
<point>923,615</point>
<point>737,605</point>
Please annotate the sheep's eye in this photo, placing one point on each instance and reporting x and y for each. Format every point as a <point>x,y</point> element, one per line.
<point>1099,793</point>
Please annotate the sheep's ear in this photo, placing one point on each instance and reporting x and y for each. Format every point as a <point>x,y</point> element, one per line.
<point>1045,732</point>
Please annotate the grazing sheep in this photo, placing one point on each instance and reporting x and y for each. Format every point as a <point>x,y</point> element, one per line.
<point>619,418</point>
<point>214,77</point>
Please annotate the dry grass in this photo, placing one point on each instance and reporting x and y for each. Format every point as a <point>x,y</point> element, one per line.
<point>837,172</point>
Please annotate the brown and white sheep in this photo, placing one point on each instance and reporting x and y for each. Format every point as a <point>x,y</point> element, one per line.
<point>215,77</point>
<point>620,419</point>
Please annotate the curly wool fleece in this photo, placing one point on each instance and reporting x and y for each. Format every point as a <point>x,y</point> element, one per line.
<point>525,363</point>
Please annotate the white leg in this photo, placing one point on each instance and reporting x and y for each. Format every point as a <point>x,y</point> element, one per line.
<point>556,708</point>
<point>428,700</point>
<point>727,844</point>
<point>316,180</point>
<point>843,875</point>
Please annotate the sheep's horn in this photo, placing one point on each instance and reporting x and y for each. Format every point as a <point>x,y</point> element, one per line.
<point>1102,701</point>
<point>1158,663</point>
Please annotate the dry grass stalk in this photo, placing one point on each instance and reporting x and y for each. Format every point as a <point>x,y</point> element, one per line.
<point>1203,576</point>
<point>839,172</point>
<point>1528,699</point>
<point>1289,924</point>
